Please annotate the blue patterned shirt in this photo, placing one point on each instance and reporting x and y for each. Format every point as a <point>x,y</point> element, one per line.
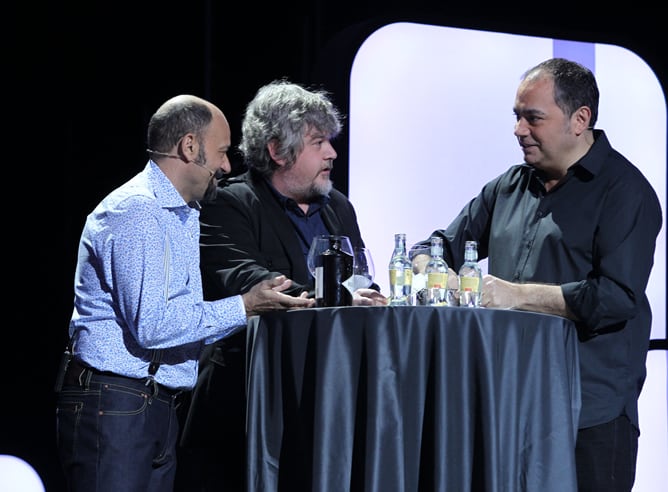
<point>138,285</point>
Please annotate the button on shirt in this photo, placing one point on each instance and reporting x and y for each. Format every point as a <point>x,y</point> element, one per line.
<point>138,285</point>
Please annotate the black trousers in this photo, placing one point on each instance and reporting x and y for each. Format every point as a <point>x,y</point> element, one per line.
<point>605,456</point>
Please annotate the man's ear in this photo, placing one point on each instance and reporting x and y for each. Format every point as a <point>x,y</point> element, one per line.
<point>581,119</point>
<point>188,147</point>
<point>272,147</point>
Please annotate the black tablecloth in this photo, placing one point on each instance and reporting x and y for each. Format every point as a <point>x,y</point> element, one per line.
<point>411,399</point>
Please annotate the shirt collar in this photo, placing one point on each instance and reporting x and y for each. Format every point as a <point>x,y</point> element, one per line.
<point>595,156</point>
<point>589,164</point>
<point>165,192</point>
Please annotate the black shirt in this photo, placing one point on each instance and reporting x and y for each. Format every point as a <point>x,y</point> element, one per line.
<point>594,234</point>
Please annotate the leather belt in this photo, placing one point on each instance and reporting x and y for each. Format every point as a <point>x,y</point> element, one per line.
<point>77,374</point>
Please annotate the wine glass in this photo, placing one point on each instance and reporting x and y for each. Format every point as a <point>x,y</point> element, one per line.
<point>363,268</point>
<point>321,244</point>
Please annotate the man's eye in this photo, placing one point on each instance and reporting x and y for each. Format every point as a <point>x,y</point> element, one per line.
<point>531,119</point>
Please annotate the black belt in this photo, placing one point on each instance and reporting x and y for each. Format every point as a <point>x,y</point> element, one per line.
<point>77,374</point>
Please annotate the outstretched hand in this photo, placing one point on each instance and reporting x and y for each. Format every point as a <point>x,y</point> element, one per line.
<point>369,297</point>
<point>268,296</point>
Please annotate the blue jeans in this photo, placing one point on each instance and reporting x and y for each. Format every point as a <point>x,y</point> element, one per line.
<point>117,434</point>
<point>605,456</point>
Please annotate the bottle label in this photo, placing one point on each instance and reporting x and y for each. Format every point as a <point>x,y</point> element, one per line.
<point>319,281</point>
<point>436,280</point>
<point>393,277</point>
<point>471,284</point>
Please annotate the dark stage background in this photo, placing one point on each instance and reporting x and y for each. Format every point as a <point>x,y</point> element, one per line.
<point>89,76</point>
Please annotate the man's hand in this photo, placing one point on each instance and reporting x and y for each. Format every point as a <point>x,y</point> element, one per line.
<point>369,297</point>
<point>497,293</point>
<point>540,298</point>
<point>268,296</point>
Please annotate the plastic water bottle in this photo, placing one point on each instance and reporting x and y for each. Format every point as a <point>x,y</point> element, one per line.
<point>401,272</point>
<point>470,277</point>
<point>437,275</point>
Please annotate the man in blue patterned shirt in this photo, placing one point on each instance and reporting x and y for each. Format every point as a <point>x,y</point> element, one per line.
<point>140,322</point>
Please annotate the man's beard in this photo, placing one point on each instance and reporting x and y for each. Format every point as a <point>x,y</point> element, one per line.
<point>322,189</point>
<point>315,192</point>
<point>210,193</point>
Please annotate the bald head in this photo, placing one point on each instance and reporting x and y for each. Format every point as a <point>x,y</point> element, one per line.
<point>176,117</point>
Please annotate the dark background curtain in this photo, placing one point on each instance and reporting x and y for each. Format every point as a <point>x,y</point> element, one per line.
<point>85,78</point>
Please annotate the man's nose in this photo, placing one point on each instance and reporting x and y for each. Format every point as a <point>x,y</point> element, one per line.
<point>330,151</point>
<point>520,128</point>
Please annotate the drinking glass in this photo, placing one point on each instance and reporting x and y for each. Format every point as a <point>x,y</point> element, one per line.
<point>321,244</point>
<point>330,271</point>
<point>363,269</point>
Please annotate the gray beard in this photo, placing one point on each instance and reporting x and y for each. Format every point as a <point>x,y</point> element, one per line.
<point>315,192</point>
<point>322,190</point>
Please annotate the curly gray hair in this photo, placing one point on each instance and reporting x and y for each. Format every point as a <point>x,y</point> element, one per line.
<point>284,112</point>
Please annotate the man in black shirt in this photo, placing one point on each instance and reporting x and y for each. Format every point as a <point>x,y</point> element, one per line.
<point>572,232</point>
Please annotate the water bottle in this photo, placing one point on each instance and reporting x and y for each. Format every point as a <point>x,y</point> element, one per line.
<point>401,273</point>
<point>437,275</point>
<point>470,277</point>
